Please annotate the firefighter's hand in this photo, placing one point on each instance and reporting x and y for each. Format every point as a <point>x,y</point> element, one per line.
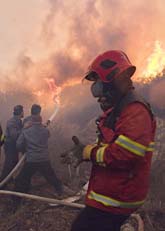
<point>87,151</point>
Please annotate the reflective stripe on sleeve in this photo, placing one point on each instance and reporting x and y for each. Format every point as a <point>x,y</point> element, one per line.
<point>87,151</point>
<point>2,137</point>
<point>108,201</point>
<point>100,154</point>
<point>130,145</point>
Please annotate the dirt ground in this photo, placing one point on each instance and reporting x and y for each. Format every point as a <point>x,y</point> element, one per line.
<point>39,216</point>
<point>35,216</point>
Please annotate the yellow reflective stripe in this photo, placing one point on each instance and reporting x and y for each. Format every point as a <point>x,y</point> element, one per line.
<point>100,154</point>
<point>87,151</point>
<point>130,145</point>
<point>151,147</point>
<point>108,201</point>
<point>2,137</point>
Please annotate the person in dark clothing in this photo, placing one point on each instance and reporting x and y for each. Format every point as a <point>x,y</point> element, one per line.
<point>34,142</point>
<point>95,219</point>
<point>13,130</point>
<point>35,110</point>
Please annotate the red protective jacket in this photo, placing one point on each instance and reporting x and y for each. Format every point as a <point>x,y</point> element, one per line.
<point>119,179</point>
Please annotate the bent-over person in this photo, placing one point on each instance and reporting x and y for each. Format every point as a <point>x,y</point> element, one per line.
<point>33,141</point>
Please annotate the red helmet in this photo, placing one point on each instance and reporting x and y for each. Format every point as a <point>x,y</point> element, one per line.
<point>110,65</point>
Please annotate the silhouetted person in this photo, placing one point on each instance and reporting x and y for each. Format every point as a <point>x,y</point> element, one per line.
<point>13,130</point>
<point>35,110</point>
<point>33,141</point>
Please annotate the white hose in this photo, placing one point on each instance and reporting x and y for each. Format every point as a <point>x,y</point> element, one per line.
<point>54,113</point>
<point>4,181</point>
<point>43,199</point>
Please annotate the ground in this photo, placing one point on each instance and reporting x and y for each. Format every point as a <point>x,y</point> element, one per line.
<point>39,216</point>
<point>35,216</point>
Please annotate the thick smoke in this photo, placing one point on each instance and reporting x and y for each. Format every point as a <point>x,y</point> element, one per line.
<point>94,26</point>
<point>155,95</point>
<point>70,34</point>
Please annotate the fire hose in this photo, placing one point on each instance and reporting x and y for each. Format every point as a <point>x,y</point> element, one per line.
<point>22,159</point>
<point>34,197</point>
<point>3,182</point>
<point>43,199</point>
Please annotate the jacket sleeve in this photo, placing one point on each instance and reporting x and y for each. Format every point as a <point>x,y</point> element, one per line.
<point>133,132</point>
<point>21,144</point>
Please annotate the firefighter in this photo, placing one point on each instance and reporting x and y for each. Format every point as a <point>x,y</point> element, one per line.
<point>13,129</point>
<point>121,158</point>
<point>33,141</point>
<point>35,110</point>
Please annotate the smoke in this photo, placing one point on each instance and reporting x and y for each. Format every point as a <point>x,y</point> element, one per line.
<point>91,27</point>
<point>154,93</point>
<point>63,40</point>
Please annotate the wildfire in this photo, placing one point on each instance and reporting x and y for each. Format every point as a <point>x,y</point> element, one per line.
<point>154,68</point>
<point>155,63</point>
<point>54,89</point>
<point>47,96</point>
<point>71,83</point>
<point>46,67</point>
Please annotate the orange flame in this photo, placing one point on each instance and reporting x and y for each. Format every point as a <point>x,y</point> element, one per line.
<point>55,90</point>
<point>156,63</point>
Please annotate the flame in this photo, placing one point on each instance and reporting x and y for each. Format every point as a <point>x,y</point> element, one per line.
<point>54,89</point>
<point>76,53</point>
<point>62,53</point>
<point>54,92</point>
<point>38,93</point>
<point>71,83</point>
<point>155,63</point>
